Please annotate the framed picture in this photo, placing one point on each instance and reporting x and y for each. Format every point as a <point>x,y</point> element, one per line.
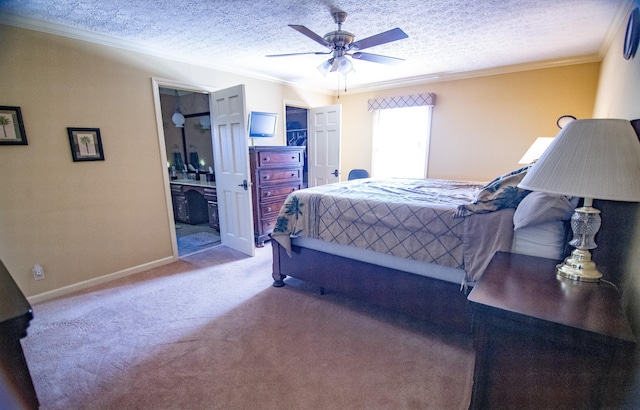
<point>11,126</point>
<point>86,144</point>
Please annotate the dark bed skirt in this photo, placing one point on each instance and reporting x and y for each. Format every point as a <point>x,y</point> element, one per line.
<point>432,300</point>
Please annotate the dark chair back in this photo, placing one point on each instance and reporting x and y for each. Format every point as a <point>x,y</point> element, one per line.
<point>358,174</point>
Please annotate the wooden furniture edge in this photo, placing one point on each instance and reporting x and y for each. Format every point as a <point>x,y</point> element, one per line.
<point>431,300</point>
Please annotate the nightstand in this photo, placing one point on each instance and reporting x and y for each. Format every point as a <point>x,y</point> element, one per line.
<point>16,386</point>
<point>544,342</point>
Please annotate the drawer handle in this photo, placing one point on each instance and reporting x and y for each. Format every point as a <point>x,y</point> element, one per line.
<point>268,193</point>
<point>267,158</point>
<point>293,174</point>
<point>266,177</point>
<point>268,209</point>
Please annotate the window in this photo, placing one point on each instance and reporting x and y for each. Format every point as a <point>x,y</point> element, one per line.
<point>401,142</point>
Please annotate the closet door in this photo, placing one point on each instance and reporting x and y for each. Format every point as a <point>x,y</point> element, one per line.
<point>325,126</point>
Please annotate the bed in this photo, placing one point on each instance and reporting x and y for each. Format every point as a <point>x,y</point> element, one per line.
<point>413,245</point>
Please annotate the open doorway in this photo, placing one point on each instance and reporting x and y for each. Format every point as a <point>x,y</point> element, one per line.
<point>188,143</point>
<point>296,119</point>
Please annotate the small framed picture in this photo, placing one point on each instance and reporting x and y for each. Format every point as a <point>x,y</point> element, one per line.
<point>86,144</point>
<point>11,126</point>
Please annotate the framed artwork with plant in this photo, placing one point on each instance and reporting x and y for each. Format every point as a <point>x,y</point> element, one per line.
<point>86,144</point>
<point>11,126</point>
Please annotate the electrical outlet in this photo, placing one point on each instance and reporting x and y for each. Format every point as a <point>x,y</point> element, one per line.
<point>38,272</point>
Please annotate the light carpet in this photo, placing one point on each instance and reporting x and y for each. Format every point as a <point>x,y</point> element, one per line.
<point>210,332</point>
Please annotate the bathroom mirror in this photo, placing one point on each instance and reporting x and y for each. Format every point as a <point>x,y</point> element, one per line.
<point>191,143</point>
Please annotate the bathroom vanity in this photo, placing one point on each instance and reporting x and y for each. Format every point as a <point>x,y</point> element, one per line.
<point>195,202</point>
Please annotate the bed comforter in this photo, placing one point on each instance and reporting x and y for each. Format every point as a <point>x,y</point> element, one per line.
<point>406,218</point>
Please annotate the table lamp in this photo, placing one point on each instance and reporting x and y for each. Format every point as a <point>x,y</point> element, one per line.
<point>590,159</point>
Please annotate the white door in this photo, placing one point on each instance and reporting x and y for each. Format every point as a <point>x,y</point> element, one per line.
<point>324,144</point>
<point>231,162</point>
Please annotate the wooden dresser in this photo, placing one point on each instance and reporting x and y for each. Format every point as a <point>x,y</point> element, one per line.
<point>547,343</point>
<point>276,171</point>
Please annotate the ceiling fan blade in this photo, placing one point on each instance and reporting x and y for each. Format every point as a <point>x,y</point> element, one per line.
<point>297,54</point>
<point>377,58</point>
<point>381,38</point>
<point>313,36</point>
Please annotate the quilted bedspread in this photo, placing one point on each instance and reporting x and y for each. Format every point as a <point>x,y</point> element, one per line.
<point>407,218</point>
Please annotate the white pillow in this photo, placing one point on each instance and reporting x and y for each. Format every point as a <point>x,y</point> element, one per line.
<point>539,207</point>
<point>545,240</point>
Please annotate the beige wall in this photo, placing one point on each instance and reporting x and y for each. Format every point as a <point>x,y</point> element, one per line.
<point>619,97</point>
<point>85,220</point>
<point>481,126</point>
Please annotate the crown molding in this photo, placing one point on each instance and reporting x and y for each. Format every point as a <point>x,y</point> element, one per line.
<point>463,75</point>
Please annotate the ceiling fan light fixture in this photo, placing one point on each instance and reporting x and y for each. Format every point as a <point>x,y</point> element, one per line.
<point>345,66</point>
<point>325,67</point>
<point>341,44</point>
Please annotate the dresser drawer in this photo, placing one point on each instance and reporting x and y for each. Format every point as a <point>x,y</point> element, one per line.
<point>271,209</point>
<point>280,175</point>
<point>279,158</point>
<point>210,194</point>
<point>268,224</point>
<point>267,193</point>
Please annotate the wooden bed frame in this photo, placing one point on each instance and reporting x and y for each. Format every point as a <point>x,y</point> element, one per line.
<point>432,300</point>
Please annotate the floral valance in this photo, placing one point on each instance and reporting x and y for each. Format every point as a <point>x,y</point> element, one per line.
<point>414,100</point>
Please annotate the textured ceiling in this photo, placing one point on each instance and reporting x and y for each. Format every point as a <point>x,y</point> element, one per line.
<point>445,36</point>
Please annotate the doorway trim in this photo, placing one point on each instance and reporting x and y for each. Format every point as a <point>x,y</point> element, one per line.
<point>157,83</point>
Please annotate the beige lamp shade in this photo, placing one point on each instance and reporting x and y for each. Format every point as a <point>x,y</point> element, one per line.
<point>594,158</point>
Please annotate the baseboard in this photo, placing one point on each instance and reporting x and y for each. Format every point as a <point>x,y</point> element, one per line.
<point>56,293</point>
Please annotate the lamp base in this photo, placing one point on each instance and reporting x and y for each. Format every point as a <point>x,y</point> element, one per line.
<point>579,266</point>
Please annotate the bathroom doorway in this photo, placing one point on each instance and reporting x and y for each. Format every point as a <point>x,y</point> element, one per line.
<point>188,143</point>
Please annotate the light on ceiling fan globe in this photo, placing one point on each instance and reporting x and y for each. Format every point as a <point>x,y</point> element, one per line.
<point>325,67</point>
<point>345,65</point>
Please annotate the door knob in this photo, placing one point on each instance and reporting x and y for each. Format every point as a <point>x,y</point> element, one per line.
<point>244,184</point>
<point>335,173</point>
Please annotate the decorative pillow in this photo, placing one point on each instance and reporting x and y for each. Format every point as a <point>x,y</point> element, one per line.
<point>502,192</point>
<point>539,207</point>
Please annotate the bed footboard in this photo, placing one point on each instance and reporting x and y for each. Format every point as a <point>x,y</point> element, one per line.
<point>424,298</point>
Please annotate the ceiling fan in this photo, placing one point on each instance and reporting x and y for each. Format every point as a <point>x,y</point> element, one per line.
<point>341,45</point>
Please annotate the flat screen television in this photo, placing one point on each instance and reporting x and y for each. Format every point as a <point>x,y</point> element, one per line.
<point>262,124</point>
